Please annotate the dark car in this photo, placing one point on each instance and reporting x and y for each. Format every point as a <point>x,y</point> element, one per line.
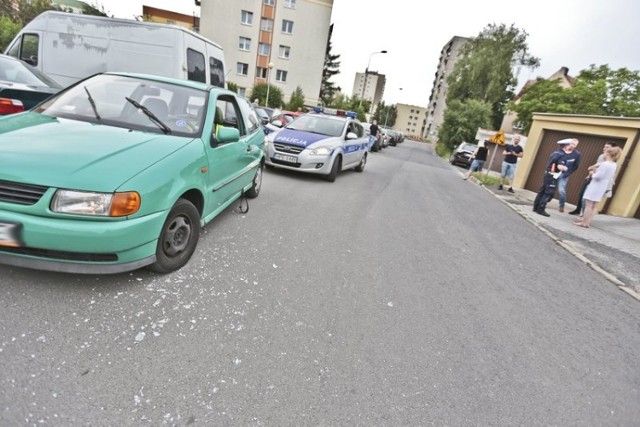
<point>462,154</point>
<point>22,86</point>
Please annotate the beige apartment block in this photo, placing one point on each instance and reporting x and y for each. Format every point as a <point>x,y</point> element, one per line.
<point>369,86</point>
<point>283,41</point>
<point>437,100</point>
<point>411,120</point>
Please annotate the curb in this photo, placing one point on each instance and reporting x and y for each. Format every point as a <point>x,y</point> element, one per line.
<point>567,246</point>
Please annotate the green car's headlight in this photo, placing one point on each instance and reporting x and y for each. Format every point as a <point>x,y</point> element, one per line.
<point>97,204</point>
<point>321,151</point>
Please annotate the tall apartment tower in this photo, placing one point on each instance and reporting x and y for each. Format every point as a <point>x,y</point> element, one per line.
<point>437,100</point>
<point>369,87</point>
<point>284,41</point>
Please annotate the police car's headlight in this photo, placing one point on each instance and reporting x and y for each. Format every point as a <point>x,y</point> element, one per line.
<point>321,151</point>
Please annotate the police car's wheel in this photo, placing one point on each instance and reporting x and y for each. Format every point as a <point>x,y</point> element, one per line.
<point>337,165</point>
<point>254,191</point>
<point>363,162</point>
<point>178,237</point>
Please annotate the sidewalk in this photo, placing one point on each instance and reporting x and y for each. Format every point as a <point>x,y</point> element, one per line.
<point>611,246</point>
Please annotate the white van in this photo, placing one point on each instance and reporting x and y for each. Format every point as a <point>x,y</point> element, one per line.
<point>69,47</point>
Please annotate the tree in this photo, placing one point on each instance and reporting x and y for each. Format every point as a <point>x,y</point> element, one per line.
<point>233,87</point>
<point>296,101</point>
<point>462,120</point>
<point>485,70</point>
<point>8,30</point>
<point>331,65</point>
<point>596,91</point>
<point>259,91</point>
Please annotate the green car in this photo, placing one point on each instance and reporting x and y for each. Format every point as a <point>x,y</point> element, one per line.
<point>120,171</point>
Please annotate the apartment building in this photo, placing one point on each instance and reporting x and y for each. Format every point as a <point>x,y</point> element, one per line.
<point>369,86</point>
<point>163,16</point>
<point>437,100</point>
<point>283,41</point>
<point>410,120</point>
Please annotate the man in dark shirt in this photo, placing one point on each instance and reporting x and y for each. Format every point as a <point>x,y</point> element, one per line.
<point>374,130</point>
<point>556,166</point>
<point>511,154</point>
<point>572,161</point>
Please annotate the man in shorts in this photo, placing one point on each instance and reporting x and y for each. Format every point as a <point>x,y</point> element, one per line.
<point>511,154</point>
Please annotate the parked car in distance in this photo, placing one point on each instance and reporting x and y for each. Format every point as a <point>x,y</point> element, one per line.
<point>320,144</point>
<point>280,119</point>
<point>120,171</point>
<point>262,115</point>
<point>22,86</point>
<point>462,154</point>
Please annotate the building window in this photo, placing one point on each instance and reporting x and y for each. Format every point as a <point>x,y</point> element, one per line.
<point>269,2</point>
<point>245,43</point>
<point>242,68</point>
<point>287,26</point>
<point>242,91</point>
<point>281,76</point>
<point>285,51</point>
<point>246,17</point>
<point>264,49</point>
<point>290,4</point>
<point>266,24</point>
<point>261,73</point>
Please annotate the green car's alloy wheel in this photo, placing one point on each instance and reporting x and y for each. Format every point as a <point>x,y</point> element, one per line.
<point>178,238</point>
<point>254,191</point>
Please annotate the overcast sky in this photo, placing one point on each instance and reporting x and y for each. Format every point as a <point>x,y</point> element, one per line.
<point>571,33</point>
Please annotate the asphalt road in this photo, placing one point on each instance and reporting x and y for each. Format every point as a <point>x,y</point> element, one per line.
<point>402,295</point>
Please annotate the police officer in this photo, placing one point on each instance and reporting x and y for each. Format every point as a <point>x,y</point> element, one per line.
<point>555,165</point>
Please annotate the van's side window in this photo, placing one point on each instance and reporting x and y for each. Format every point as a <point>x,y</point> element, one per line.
<point>217,72</point>
<point>196,66</point>
<point>26,48</point>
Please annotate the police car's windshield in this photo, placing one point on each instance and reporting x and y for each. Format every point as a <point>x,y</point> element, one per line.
<point>323,125</point>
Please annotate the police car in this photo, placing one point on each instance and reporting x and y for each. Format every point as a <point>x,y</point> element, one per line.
<point>324,142</point>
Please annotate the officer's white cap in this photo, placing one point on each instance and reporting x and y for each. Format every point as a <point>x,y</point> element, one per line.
<point>566,141</point>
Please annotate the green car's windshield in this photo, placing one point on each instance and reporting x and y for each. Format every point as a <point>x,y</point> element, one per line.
<point>157,106</point>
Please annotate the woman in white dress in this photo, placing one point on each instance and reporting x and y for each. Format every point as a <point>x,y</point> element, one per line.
<point>599,185</point>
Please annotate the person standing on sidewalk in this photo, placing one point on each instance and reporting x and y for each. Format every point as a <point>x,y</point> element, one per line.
<point>599,184</point>
<point>591,169</point>
<point>555,167</point>
<point>571,161</point>
<point>479,157</point>
<point>511,154</point>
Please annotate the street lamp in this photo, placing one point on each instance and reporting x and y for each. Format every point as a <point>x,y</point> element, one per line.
<point>386,117</point>
<point>266,104</point>
<point>366,74</point>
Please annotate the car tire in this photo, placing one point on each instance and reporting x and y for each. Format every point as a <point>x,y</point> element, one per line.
<point>362,163</point>
<point>254,191</point>
<point>335,169</point>
<point>178,238</point>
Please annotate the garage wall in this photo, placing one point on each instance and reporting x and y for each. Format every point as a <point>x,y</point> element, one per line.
<point>593,132</point>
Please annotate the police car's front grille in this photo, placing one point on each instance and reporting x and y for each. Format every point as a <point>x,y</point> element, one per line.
<point>61,255</point>
<point>284,148</point>
<point>23,194</point>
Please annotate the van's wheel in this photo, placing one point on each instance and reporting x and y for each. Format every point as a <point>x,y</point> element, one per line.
<point>254,191</point>
<point>335,169</point>
<point>178,238</point>
<point>362,163</point>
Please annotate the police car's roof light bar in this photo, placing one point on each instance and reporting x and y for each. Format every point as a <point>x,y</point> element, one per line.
<point>334,112</point>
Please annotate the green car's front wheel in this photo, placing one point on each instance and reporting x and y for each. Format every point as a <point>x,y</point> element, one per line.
<point>178,238</point>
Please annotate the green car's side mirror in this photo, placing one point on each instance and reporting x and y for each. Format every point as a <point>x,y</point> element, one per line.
<point>224,135</point>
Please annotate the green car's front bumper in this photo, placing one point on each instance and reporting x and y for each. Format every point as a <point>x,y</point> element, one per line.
<point>82,246</point>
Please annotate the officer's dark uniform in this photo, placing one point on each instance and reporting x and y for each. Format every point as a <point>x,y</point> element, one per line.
<point>549,183</point>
